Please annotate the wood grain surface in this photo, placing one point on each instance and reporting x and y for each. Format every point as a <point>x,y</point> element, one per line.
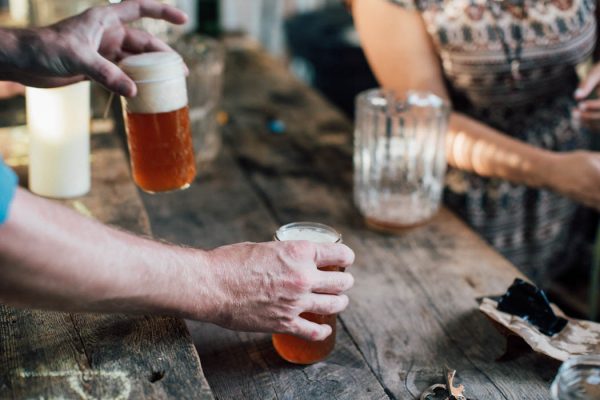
<point>413,309</point>
<point>46,355</point>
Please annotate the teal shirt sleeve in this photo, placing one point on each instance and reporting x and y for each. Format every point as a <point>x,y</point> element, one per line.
<point>8,187</point>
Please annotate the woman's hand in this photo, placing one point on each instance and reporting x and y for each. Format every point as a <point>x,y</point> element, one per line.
<point>588,108</point>
<point>265,286</point>
<point>86,45</point>
<point>577,175</point>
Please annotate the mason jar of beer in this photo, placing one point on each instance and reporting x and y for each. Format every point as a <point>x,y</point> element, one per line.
<point>292,348</point>
<point>158,124</point>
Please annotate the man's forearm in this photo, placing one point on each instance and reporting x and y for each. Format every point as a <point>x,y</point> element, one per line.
<point>475,147</point>
<point>42,248</point>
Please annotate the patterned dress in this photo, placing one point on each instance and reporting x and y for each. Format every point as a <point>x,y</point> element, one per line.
<point>476,41</point>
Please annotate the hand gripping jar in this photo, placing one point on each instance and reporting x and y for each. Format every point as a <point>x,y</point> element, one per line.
<point>291,348</point>
<point>158,124</point>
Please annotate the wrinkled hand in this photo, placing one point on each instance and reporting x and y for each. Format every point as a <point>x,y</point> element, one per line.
<point>577,175</point>
<point>265,286</point>
<point>87,44</point>
<point>588,108</point>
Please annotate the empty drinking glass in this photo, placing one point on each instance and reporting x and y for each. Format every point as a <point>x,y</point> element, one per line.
<point>399,157</point>
<point>205,58</point>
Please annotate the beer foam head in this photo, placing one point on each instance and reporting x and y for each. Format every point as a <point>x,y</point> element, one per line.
<point>310,231</point>
<point>160,79</point>
<point>155,66</point>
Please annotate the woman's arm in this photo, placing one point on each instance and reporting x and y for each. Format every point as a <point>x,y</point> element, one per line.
<point>402,57</point>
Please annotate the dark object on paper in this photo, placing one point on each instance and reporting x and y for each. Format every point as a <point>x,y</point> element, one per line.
<point>530,303</point>
<point>579,337</point>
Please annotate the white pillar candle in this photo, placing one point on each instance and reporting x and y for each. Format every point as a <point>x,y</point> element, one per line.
<point>19,12</point>
<point>59,155</point>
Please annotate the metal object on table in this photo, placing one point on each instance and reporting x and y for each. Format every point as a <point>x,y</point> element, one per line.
<point>454,392</point>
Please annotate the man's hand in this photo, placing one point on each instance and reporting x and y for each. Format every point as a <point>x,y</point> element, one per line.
<point>86,45</point>
<point>265,286</point>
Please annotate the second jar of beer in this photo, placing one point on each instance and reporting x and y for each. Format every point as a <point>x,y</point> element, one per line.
<point>292,348</point>
<point>157,123</point>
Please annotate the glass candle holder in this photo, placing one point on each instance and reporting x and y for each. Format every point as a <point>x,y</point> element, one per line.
<point>292,348</point>
<point>158,124</point>
<point>399,157</point>
<point>578,379</point>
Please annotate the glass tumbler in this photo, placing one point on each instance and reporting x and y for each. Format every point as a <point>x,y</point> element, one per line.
<point>205,58</point>
<point>578,379</point>
<point>399,157</point>
<point>292,348</point>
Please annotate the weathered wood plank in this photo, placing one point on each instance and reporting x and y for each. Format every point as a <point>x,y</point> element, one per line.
<point>40,354</point>
<point>59,355</point>
<point>413,309</point>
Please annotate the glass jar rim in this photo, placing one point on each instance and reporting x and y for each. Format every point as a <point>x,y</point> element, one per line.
<point>159,80</point>
<point>387,100</point>
<point>315,226</point>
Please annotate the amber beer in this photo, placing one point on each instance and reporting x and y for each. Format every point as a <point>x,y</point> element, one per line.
<point>158,124</point>
<point>292,348</point>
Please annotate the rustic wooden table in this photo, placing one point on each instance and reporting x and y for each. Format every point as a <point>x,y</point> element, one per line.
<point>413,309</point>
<point>47,355</point>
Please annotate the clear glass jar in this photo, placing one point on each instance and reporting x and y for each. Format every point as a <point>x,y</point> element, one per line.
<point>158,124</point>
<point>292,348</point>
<point>578,379</point>
<point>399,157</point>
